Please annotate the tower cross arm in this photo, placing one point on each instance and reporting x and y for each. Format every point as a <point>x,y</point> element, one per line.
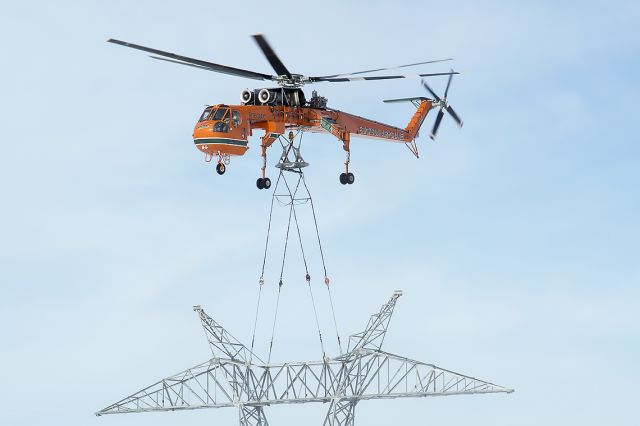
<point>392,376</point>
<point>204,385</point>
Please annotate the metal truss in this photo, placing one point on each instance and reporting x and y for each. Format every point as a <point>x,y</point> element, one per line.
<point>232,379</point>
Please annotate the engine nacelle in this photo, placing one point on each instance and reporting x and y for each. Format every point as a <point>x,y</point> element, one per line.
<point>247,96</point>
<point>266,96</point>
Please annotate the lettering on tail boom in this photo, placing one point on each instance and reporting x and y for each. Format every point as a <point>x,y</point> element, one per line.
<point>387,134</point>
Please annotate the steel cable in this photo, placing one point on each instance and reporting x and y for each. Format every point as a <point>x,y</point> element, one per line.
<point>304,259</point>
<point>326,277</point>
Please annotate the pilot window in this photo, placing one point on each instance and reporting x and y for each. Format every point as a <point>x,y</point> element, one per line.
<point>205,114</point>
<point>236,118</point>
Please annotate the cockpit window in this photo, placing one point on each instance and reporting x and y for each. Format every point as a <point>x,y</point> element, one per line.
<point>221,127</point>
<point>205,114</point>
<point>220,114</point>
<point>236,118</point>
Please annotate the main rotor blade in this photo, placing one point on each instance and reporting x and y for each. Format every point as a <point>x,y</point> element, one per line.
<point>203,64</point>
<point>446,91</point>
<point>385,69</point>
<point>436,124</point>
<point>453,115</point>
<point>179,62</point>
<point>426,86</point>
<point>378,77</point>
<point>273,59</point>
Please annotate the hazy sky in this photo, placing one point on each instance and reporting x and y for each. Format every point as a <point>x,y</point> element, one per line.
<point>514,239</point>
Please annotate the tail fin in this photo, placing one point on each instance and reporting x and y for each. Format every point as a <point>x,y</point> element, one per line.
<point>423,106</point>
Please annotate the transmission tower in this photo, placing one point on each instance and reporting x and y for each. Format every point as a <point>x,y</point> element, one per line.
<point>236,377</point>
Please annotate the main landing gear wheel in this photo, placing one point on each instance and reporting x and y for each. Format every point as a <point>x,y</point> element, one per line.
<point>263,183</point>
<point>221,168</point>
<point>347,178</point>
<point>350,178</point>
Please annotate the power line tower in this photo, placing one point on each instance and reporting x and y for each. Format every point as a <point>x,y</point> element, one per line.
<point>236,377</point>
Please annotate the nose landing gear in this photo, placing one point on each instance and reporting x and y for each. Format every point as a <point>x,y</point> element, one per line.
<point>223,162</point>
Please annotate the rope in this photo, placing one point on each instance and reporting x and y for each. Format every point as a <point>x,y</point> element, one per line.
<point>284,256</point>
<point>326,277</point>
<point>335,323</point>
<point>315,221</point>
<point>304,259</point>
<point>255,322</point>
<point>261,281</point>
<point>266,244</point>
<point>292,213</point>
<point>286,242</point>
<point>275,316</point>
<point>315,312</point>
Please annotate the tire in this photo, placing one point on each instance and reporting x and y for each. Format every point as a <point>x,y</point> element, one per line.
<point>266,183</point>
<point>343,178</point>
<point>350,178</point>
<point>260,183</point>
<point>221,168</point>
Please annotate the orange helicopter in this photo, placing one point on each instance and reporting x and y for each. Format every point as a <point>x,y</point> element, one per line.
<point>223,130</point>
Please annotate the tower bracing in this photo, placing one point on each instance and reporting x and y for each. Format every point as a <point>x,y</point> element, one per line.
<point>235,377</point>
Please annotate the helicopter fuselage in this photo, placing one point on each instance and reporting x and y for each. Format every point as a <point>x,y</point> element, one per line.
<point>225,129</point>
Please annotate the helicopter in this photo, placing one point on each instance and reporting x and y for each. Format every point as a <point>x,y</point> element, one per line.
<point>222,131</point>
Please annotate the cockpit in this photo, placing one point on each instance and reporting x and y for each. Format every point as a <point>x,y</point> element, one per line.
<point>219,115</point>
<point>224,119</point>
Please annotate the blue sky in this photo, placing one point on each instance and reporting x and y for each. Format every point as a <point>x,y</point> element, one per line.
<point>515,239</point>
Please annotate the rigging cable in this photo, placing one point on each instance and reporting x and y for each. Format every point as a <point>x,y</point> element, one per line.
<point>261,281</point>
<point>255,322</point>
<point>326,277</point>
<point>292,213</point>
<point>284,256</point>
<point>304,259</point>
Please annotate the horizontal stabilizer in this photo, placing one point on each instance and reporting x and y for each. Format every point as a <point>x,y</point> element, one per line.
<point>418,98</point>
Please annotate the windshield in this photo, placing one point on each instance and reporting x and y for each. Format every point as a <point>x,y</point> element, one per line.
<point>205,114</point>
<point>220,114</point>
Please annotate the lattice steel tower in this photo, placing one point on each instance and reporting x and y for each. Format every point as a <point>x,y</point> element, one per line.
<point>236,377</point>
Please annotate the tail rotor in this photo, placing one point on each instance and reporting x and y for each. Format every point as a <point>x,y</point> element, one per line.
<point>444,105</point>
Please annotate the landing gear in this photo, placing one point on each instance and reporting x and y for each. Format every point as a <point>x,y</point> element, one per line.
<point>223,161</point>
<point>263,183</point>
<point>347,178</point>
